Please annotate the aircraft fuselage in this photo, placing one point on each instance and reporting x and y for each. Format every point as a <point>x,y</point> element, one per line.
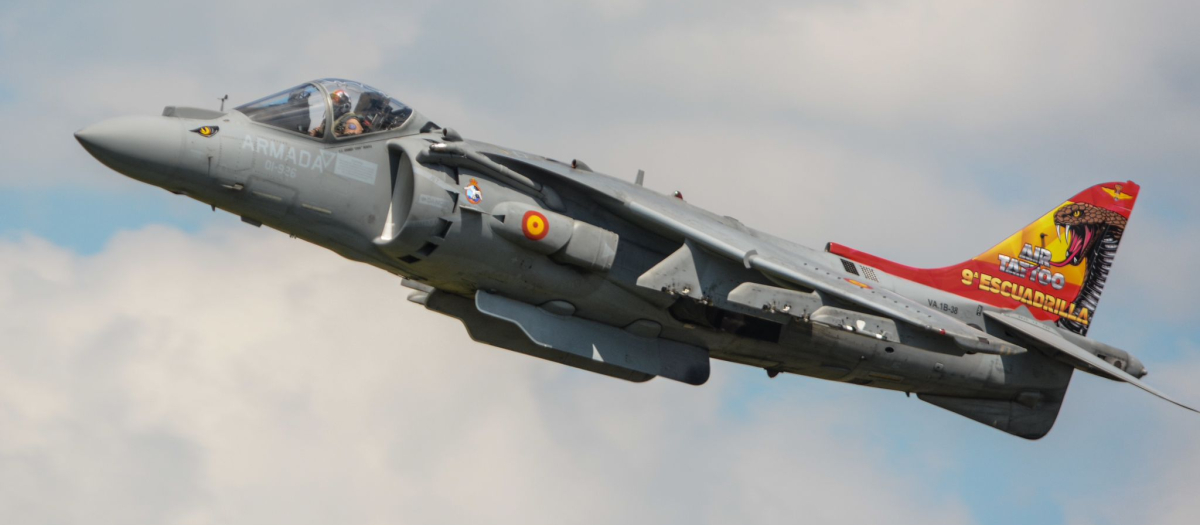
<point>553,260</point>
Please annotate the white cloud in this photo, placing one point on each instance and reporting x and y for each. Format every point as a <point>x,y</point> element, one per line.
<point>1053,88</point>
<point>141,56</point>
<point>1160,490</point>
<point>237,375</point>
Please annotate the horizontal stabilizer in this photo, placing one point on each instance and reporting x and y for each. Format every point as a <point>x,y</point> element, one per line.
<point>1050,338</point>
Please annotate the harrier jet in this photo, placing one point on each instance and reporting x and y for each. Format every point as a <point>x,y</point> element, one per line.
<point>554,260</point>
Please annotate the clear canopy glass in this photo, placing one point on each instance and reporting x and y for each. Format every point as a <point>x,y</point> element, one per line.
<point>358,108</point>
<point>300,109</point>
<point>353,109</point>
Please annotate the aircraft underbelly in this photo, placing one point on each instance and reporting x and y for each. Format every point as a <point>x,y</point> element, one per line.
<point>824,353</point>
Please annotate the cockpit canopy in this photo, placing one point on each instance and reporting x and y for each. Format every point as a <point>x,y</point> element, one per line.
<point>348,108</point>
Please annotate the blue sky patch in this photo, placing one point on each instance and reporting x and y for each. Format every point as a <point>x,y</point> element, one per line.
<point>84,220</point>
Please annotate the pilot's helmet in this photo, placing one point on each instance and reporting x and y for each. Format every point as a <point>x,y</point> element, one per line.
<point>341,102</point>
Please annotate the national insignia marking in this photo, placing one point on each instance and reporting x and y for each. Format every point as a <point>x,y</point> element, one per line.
<point>534,225</point>
<point>858,284</point>
<point>1116,193</point>
<point>473,193</point>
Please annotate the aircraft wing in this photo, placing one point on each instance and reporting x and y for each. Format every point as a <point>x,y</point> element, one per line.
<point>782,262</point>
<point>762,255</point>
<point>1047,336</point>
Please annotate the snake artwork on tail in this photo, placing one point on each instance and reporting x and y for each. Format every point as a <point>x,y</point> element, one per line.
<point>1092,234</point>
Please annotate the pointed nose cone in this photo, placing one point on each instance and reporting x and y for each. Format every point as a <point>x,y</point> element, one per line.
<point>143,147</point>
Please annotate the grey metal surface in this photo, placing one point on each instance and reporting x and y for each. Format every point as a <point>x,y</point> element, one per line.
<point>489,330</point>
<point>773,301</point>
<point>1029,422</point>
<point>602,343</point>
<point>191,113</point>
<point>881,328</point>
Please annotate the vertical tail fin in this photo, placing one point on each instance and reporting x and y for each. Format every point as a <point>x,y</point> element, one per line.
<point>1057,266</point>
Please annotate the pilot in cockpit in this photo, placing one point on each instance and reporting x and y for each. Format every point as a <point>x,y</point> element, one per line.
<point>345,122</point>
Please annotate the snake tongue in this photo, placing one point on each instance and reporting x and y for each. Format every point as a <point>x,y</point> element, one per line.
<point>1079,243</point>
<point>1075,245</point>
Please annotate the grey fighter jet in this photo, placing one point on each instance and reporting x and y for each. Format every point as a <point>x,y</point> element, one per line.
<point>553,260</point>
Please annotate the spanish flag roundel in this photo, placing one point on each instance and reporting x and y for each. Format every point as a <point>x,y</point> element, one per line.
<point>534,225</point>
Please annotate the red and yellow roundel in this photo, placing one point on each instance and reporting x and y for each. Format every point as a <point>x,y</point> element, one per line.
<point>534,225</point>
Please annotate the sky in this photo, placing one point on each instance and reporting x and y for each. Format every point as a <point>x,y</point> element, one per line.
<point>163,363</point>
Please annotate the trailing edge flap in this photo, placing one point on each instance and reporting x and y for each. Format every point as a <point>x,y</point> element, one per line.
<point>599,342</point>
<point>1040,333</point>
